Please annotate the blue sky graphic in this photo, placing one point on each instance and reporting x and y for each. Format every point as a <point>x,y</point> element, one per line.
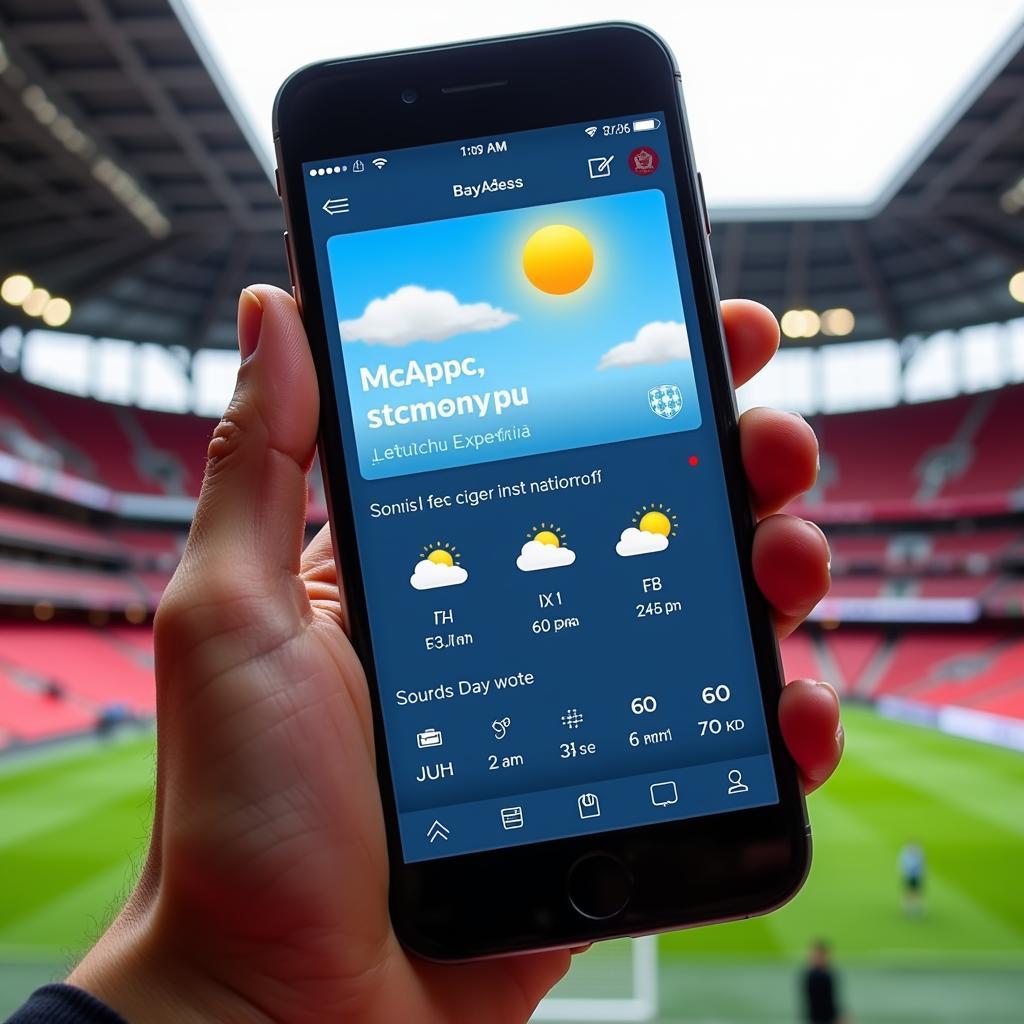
<point>554,346</point>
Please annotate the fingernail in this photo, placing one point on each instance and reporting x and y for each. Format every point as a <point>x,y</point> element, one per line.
<point>828,547</point>
<point>250,319</point>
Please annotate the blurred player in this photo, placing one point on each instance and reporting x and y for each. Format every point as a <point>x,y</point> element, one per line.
<point>820,988</point>
<point>912,866</point>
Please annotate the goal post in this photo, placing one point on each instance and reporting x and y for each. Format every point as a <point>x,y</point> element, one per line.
<point>612,981</point>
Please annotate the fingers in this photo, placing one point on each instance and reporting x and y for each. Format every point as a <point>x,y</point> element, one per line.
<point>251,510</point>
<point>791,565</point>
<point>780,457</point>
<point>751,336</point>
<point>809,719</point>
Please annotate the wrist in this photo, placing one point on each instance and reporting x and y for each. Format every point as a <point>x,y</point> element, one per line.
<point>148,978</point>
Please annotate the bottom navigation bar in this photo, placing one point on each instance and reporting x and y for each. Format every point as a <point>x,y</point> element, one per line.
<point>588,809</point>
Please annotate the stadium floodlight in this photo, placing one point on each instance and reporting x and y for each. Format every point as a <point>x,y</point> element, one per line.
<point>837,323</point>
<point>57,312</point>
<point>16,289</point>
<point>36,302</point>
<point>800,323</point>
<point>1017,286</point>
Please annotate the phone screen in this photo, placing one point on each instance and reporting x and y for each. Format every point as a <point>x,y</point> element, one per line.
<point>559,631</point>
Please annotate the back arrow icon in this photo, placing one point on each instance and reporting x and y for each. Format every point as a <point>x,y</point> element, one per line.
<point>333,206</point>
<point>437,831</point>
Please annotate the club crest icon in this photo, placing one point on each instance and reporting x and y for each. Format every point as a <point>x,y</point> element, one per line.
<point>666,400</point>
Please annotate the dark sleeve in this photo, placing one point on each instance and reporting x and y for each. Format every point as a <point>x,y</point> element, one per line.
<point>64,1004</point>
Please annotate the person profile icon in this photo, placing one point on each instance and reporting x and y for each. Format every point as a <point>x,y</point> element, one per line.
<point>736,783</point>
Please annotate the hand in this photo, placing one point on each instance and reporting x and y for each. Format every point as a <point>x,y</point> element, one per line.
<point>264,895</point>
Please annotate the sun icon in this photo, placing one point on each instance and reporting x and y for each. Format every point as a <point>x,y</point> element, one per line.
<point>440,553</point>
<point>439,566</point>
<point>547,533</point>
<point>654,523</point>
<point>545,548</point>
<point>558,259</point>
<point>656,518</point>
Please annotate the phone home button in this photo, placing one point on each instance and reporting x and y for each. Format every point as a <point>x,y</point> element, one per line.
<point>599,886</point>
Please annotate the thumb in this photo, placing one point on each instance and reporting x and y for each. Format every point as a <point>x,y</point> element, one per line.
<point>249,522</point>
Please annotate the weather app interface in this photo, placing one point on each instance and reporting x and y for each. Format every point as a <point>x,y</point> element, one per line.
<point>558,623</point>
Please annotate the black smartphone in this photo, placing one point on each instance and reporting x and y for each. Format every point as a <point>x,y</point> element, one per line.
<point>529,433</point>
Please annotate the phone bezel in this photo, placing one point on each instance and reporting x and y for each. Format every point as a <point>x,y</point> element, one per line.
<point>685,872</point>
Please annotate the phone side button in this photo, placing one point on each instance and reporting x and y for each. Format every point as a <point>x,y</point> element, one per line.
<point>288,257</point>
<point>599,886</point>
<point>703,204</point>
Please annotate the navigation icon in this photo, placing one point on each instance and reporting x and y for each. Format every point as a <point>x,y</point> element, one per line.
<point>736,783</point>
<point>664,794</point>
<point>511,817</point>
<point>437,831</point>
<point>333,206</point>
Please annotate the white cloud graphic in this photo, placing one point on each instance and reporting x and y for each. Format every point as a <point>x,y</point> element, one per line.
<point>413,313</point>
<point>640,542</point>
<point>660,341</point>
<point>428,575</point>
<point>543,556</point>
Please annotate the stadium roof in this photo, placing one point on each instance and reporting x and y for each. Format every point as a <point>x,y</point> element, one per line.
<point>129,185</point>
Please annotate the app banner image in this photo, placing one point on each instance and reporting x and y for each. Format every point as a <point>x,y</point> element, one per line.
<point>512,333</point>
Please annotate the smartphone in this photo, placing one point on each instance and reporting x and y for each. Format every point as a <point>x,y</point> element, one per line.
<point>529,435</point>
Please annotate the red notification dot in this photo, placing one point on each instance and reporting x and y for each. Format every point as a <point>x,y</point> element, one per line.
<point>694,460</point>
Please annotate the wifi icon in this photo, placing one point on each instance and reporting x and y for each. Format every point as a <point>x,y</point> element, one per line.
<point>380,163</point>
<point>591,131</point>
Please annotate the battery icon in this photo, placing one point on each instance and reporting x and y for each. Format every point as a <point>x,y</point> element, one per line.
<point>648,124</point>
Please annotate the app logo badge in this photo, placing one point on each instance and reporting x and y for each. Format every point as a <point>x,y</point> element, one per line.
<point>666,401</point>
<point>643,160</point>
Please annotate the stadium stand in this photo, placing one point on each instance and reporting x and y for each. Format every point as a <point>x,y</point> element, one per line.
<point>34,531</point>
<point>62,559</point>
<point>84,662</point>
<point>127,450</point>
<point>29,714</point>
<point>923,503</point>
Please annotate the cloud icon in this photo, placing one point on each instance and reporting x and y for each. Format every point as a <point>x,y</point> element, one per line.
<point>413,313</point>
<point>428,575</point>
<point>639,542</point>
<point>661,341</point>
<point>536,555</point>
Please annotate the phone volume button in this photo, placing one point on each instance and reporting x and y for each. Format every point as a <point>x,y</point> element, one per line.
<point>288,257</point>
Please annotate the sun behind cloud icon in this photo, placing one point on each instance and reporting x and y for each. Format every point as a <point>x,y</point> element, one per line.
<point>438,567</point>
<point>545,549</point>
<point>558,259</point>
<point>655,524</point>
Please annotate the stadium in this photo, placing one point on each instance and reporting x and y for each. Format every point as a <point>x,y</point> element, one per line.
<point>135,203</point>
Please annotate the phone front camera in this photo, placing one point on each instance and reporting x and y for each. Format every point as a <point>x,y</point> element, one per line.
<point>409,95</point>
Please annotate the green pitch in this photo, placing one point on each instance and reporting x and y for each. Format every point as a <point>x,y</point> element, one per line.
<point>73,828</point>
